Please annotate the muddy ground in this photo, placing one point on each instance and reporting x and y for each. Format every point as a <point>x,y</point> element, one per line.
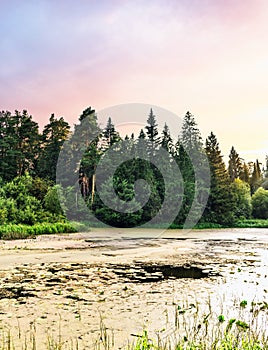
<point>78,285</point>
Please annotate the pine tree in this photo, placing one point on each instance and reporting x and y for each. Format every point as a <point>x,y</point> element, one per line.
<point>187,171</point>
<point>142,134</point>
<point>54,135</point>
<point>256,177</point>
<point>244,175</point>
<point>235,167</point>
<point>89,132</point>
<point>220,203</point>
<point>195,171</point>
<point>19,144</point>
<point>152,133</point>
<point>77,163</point>
<point>191,138</point>
<point>166,140</point>
<point>8,166</point>
<point>110,134</point>
<point>27,142</point>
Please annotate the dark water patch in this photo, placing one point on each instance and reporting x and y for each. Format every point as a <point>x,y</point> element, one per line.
<point>145,273</point>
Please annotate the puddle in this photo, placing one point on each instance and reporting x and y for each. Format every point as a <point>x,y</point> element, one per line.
<point>142,273</point>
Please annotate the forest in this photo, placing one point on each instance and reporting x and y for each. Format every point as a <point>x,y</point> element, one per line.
<point>30,194</point>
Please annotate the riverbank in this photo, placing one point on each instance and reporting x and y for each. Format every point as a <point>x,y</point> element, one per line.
<point>21,231</point>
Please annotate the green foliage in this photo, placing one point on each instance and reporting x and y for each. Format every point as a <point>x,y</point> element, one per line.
<point>25,200</point>
<point>52,202</point>
<point>8,210</point>
<point>242,199</point>
<point>260,204</point>
<point>22,206</point>
<point>119,215</point>
<point>28,162</point>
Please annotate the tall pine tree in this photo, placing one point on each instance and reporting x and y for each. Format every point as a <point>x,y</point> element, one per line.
<point>152,133</point>
<point>54,135</point>
<point>219,207</point>
<point>235,167</point>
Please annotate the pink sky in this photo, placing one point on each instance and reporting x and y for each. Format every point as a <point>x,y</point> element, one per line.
<point>209,57</point>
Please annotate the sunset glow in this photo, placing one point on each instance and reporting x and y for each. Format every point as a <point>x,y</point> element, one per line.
<point>208,57</point>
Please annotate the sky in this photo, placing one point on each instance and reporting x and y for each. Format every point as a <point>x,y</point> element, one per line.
<point>206,56</point>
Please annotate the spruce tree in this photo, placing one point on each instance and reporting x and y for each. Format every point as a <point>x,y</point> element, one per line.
<point>235,166</point>
<point>256,177</point>
<point>110,134</point>
<point>195,171</point>
<point>166,140</point>
<point>191,137</point>
<point>220,203</point>
<point>152,133</point>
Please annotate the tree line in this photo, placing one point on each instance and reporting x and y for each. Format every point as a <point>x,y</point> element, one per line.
<point>28,160</point>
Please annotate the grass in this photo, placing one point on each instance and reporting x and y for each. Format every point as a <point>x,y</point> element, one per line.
<point>190,329</point>
<point>20,231</point>
<point>255,223</point>
<point>245,223</point>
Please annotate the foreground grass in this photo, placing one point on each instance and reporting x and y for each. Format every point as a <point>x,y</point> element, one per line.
<point>191,329</point>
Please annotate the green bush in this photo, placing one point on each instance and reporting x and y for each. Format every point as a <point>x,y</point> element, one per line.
<point>260,204</point>
<point>242,199</point>
<point>51,200</point>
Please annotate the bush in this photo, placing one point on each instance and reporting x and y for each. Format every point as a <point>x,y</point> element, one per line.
<point>242,199</point>
<point>260,204</point>
<point>51,200</point>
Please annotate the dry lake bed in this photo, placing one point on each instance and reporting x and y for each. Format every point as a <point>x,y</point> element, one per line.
<point>79,285</point>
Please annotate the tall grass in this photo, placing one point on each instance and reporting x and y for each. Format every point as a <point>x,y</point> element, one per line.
<point>20,231</point>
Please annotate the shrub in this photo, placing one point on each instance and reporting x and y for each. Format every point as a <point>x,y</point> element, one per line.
<point>260,204</point>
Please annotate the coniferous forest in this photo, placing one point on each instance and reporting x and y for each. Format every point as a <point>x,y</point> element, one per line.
<point>238,192</point>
